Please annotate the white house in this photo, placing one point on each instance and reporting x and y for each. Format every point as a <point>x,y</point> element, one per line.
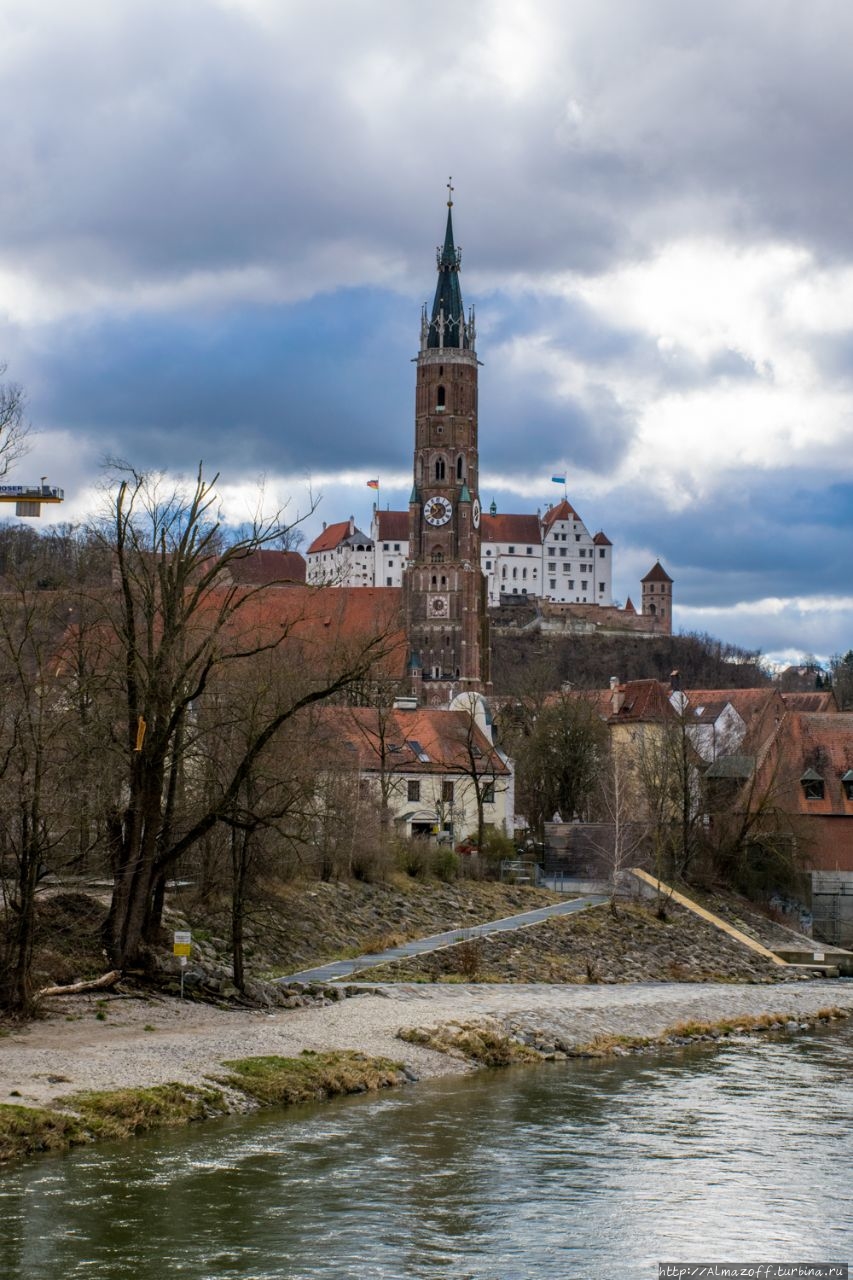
<point>577,568</point>
<point>342,556</point>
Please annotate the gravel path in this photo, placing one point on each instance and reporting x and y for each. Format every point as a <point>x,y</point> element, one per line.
<point>73,1050</point>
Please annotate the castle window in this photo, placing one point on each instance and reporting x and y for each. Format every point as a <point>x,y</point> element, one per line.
<point>389,582</point>
<point>601,586</point>
<point>583,585</point>
<point>530,551</point>
<point>440,398</point>
<point>511,550</point>
<point>601,553</point>
<point>396,546</point>
<point>553,584</point>
<point>571,584</point>
<point>459,467</point>
<point>652,608</point>
<point>439,468</point>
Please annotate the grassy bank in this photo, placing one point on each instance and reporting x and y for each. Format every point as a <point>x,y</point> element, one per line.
<point>124,1113</point>
<point>487,1044</point>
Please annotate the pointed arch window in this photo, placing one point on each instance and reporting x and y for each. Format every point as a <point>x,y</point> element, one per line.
<point>439,469</point>
<point>460,465</point>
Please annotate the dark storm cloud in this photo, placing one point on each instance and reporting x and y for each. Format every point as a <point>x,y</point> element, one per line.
<point>167,138</point>
<point>258,389</point>
<point>785,534</point>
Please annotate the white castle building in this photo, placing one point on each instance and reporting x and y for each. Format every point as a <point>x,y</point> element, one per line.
<point>553,557</point>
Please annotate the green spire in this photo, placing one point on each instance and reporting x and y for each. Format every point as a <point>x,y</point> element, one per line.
<point>447,311</point>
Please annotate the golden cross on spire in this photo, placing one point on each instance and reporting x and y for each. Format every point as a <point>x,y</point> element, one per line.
<point>450,192</point>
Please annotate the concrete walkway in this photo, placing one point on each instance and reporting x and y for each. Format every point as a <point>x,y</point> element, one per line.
<point>418,946</point>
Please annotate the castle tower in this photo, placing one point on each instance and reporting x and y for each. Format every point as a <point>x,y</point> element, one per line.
<point>444,588</point>
<point>657,598</point>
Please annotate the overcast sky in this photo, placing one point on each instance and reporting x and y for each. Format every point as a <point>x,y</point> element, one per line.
<point>218,221</point>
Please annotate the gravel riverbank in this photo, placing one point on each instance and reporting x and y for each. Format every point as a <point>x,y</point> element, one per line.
<point>97,1043</point>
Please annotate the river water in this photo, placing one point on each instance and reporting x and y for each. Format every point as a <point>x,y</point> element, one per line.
<point>582,1169</point>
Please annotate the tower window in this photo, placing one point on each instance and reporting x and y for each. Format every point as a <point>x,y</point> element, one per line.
<point>440,397</point>
<point>437,556</point>
<point>439,468</point>
<point>459,467</point>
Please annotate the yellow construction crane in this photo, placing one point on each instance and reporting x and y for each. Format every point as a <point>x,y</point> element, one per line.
<point>29,497</point>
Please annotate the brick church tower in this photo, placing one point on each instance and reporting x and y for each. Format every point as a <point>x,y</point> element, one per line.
<point>444,588</point>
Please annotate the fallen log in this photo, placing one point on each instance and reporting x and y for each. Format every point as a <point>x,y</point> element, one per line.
<point>74,988</point>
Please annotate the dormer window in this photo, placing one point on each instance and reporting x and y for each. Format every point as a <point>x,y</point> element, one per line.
<point>812,784</point>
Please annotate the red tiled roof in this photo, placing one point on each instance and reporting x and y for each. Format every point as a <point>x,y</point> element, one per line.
<point>602,540</point>
<point>657,574</point>
<point>266,567</point>
<point>629,606</point>
<point>332,536</point>
<point>366,734</point>
<point>392,526</point>
<point>563,511</point>
<point>512,529</point>
<point>820,700</point>
<point>822,742</point>
<point>641,700</point>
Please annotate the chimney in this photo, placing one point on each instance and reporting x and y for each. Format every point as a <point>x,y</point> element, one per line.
<point>675,681</point>
<point>617,695</point>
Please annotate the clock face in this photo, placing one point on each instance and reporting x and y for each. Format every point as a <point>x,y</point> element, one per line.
<point>438,606</point>
<point>475,513</point>
<point>437,511</point>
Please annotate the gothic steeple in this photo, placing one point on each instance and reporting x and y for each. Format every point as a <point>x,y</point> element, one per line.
<point>447,327</point>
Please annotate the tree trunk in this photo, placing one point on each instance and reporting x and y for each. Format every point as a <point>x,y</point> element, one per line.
<point>239,868</point>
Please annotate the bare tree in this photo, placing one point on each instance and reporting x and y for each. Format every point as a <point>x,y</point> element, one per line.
<point>178,621</point>
<point>14,430</point>
<point>38,795</point>
<point>623,835</point>
<point>558,763</point>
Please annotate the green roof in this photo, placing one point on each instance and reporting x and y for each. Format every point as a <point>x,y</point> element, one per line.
<point>448,295</point>
<point>731,767</point>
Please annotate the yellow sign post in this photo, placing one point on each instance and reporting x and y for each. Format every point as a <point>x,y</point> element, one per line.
<point>182,946</point>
